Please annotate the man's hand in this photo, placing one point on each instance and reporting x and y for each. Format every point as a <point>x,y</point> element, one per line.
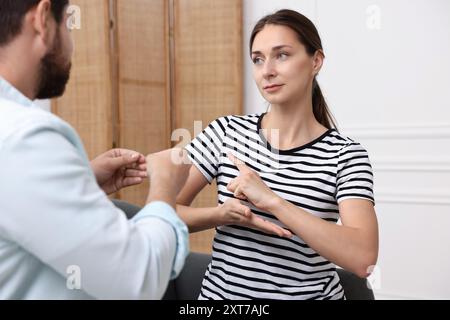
<point>119,168</point>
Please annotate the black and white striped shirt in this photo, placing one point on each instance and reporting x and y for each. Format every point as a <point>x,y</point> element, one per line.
<point>249,264</point>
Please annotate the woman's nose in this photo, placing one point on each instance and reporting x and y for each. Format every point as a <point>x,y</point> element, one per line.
<point>269,70</point>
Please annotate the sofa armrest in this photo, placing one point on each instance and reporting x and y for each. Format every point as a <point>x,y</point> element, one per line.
<point>189,282</point>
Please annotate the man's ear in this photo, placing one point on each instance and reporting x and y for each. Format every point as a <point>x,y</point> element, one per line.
<point>318,61</point>
<point>43,22</point>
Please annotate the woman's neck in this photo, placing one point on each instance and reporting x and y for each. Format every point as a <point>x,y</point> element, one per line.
<point>295,125</point>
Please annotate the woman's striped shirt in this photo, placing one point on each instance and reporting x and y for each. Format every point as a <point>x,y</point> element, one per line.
<point>249,264</point>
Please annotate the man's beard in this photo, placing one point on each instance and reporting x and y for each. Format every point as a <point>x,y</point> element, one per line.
<point>54,72</point>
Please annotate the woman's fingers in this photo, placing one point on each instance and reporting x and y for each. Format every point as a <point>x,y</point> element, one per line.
<point>243,212</point>
<point>239,194</point>
<point>270,227</point>
<point>237,217</point>
<point>232,185</point>
<point>253,221</point>
<point>240,208</point>
<point>239,213</point>
<point>285,233</point>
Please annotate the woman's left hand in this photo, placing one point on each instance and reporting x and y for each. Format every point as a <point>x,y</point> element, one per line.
<point>249,186</point>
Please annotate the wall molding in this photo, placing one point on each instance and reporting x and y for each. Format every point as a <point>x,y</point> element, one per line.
<point>413,198</point>
<point>398,131</point>
<point>383,295</point>
<point>430,164</point>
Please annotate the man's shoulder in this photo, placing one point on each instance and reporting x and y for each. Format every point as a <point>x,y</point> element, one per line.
<point>15,118</point>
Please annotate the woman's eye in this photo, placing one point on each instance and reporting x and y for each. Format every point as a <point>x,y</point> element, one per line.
<point>282,56</point>
<point>257,60</point>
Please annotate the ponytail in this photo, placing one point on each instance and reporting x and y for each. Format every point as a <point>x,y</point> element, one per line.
<point>320,108</point>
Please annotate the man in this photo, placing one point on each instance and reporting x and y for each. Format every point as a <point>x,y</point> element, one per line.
<point>60,235</point>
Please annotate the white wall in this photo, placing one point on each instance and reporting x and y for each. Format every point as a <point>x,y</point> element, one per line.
<point>387,78</point>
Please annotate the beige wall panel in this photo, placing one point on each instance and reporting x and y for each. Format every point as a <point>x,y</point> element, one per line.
<point>208,74</point>
<point>86,105</point>
<point>143,81</point>
<point>121,91</point>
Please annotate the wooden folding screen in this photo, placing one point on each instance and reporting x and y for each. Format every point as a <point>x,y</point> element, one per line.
<point>87,101</point>
<point>143,80</point>
<point>208,72</point>
<point>143,68</point>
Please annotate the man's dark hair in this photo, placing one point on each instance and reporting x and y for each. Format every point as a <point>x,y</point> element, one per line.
<point>12,13</point>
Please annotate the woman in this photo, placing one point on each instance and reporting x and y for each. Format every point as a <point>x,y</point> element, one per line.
<point>284,179</point>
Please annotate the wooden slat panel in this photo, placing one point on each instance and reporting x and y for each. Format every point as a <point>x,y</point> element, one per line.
<point>131,88</point>
<point>208,74</point>
<point>86,105</point>
<point>144,82</point>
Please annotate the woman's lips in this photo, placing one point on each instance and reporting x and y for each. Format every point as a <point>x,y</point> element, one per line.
<point>272,88</point>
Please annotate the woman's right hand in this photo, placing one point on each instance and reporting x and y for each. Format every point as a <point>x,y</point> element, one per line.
<point>232,211</point>
<point>171,166</point>
<point>168,171</point>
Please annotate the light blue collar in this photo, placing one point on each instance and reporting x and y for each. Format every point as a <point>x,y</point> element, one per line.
<point>8,92</point>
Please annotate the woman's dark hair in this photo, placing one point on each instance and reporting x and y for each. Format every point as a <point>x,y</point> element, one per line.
<point>309,37</point>
<point>12,13</point>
